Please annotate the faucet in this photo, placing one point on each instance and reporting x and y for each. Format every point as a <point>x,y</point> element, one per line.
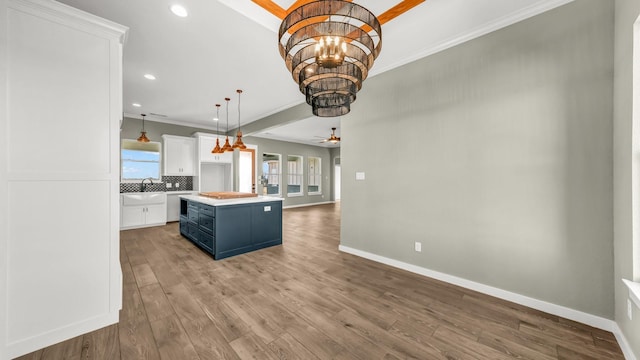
<point>143,187</point>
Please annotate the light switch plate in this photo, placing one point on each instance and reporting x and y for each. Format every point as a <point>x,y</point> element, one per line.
<point>177,184</point>
<point>359,175</point>
<point>267,208</point>
<point>168,185</point>
<point>418,246</point>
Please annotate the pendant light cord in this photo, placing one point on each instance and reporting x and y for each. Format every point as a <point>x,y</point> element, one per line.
<point>227,130</point>
<point>239,92</point>
<point>217,119</point>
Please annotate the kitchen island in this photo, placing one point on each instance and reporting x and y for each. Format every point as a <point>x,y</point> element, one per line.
<point>231,227</point>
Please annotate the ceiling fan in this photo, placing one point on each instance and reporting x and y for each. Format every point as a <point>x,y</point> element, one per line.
<point>333,138</point>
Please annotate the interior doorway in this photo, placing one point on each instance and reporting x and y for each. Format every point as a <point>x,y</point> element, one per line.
<point>336,179</point>
<point>247,170</point>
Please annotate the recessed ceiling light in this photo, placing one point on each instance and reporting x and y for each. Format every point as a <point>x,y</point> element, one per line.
<point>136,105</point>
<point>149,76</point>
<point>179,10</point>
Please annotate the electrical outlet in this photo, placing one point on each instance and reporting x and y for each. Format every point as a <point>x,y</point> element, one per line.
<point>629,309</point>
<point>168,185</point>
<point>177,185</point>
<point>418,246</point>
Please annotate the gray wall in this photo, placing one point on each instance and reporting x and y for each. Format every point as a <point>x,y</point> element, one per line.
<point>131,130</point>
<point>287,148</point>
<point>497,158</point>
<point>625,159</point>
<point>4,191</point>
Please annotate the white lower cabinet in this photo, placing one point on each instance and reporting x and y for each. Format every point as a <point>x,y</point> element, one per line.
<point>173,204</point>
<point>142,210</point>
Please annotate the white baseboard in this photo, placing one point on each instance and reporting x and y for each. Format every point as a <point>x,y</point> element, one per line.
<point>624,344</point>
<point>309,204</point>
<point>558,310</point>
<point>25,346</point>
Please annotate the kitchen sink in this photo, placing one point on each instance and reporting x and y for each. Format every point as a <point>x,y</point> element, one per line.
<point>144,198</point>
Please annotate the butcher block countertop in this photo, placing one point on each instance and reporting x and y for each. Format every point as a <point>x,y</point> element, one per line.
<point>230,201</point>
<point>222,195</point>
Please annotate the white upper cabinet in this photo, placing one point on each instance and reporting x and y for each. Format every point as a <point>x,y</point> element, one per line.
<point>206,143</point>
<point>179,154</point>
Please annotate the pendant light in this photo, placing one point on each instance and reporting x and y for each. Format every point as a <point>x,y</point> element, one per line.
<point>227,146</point>
<point>217,149</point>
<point>238,144</point>
<point>143,134</point>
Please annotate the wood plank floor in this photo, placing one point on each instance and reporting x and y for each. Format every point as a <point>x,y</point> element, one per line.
<point>306,300</point>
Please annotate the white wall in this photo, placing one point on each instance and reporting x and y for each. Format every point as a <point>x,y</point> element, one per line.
<point>215,177</point>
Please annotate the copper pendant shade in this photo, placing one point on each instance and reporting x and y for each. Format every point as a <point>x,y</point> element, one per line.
<point>329,46</point>
<point>217,149</point>
<point>227,145</point>
<point>143,134</point>
<point>238,144</point>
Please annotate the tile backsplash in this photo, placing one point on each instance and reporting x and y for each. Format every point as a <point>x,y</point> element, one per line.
<point>186,183</point>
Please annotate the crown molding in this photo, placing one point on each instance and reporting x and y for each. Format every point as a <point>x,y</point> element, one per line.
<point>79,19</point>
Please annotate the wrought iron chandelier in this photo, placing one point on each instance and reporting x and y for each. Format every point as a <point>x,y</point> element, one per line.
<point>329,46</point>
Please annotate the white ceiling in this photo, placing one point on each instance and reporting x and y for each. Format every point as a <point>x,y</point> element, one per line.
<point>224,45</point>
<point>309,131</point>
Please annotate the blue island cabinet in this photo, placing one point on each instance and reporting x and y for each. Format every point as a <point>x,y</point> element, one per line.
<point>229,230</point>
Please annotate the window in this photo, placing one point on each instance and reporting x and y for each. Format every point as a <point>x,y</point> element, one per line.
<point>271,174</point>
<point>315,176</point>
<point>139,160</point>
<point>294,175</point>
